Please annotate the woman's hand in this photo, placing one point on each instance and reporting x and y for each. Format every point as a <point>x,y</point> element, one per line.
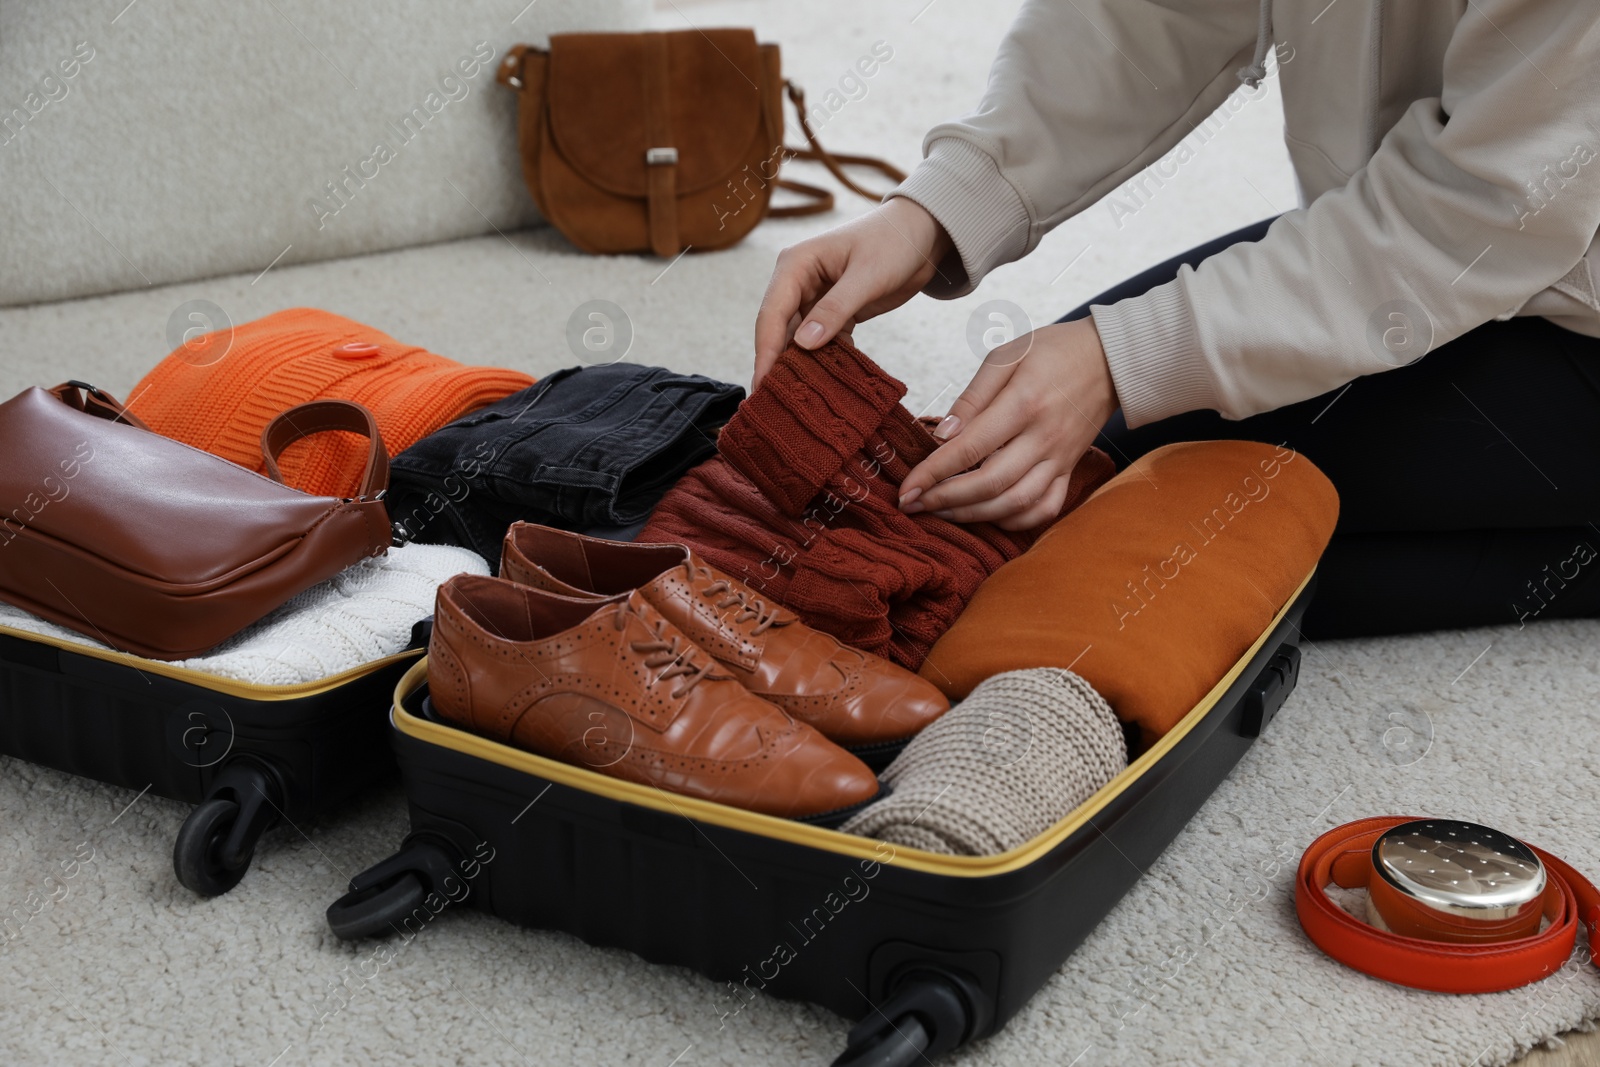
<point>823,286</point>
<point>1030,412</point>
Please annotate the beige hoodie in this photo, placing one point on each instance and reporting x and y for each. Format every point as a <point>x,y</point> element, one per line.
<point>1447,152</point>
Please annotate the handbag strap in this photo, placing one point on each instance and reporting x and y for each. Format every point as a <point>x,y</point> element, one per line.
<point>318,416</point>
<point>97,402</point>
<point>822,200</point>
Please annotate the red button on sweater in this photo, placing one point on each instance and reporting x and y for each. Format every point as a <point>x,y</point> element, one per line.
<point>801,504</point>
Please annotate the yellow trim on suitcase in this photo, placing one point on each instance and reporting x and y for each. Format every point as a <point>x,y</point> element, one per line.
<point>214,682</point>
<point>799,833</point>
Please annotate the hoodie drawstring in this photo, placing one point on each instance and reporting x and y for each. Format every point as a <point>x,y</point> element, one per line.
<point>1257,69</point>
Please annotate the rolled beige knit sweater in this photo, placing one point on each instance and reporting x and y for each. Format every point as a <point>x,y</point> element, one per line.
<point>998,769</point>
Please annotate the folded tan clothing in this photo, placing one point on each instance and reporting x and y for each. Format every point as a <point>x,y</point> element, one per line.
<point>1000,768</point>
<point>1156,585</point>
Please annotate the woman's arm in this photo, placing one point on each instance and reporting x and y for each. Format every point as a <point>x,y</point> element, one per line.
<point>1435,236</point>
<point>1082,95</point>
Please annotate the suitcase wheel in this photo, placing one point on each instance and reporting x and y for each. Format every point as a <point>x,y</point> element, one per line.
<point>218,839</point>
<point>366,912</point>
<point>926,1017</point>
<point>384,895</point>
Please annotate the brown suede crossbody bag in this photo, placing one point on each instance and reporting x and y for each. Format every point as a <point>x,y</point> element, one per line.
<point>157,548</point>
<point>662,141</point>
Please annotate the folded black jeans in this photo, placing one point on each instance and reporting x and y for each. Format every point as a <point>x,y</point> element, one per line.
<point>590,449</point>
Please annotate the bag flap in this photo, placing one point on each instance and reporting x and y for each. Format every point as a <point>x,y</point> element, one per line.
<point>132,497</point>
<point>599,95</point>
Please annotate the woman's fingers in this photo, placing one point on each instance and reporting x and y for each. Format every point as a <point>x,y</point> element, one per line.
<point>989,430</point>
<point>835,311</point>
<point>817,311</point>
<point>1003,469</point>
<point>830,282</point>
<point>993,374</point>
<point>795,282</point>
<point>888,302</point>
<point>1039,400</point>
<point>962,449</point>
<point>1043,510</point>
<point>1016,498</point>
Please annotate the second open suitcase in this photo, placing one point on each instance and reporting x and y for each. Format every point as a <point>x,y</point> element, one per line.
<point>246,755</point>
<point>928,951</point>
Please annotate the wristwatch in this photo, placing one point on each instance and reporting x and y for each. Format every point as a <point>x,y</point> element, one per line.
<point>1452,906</point>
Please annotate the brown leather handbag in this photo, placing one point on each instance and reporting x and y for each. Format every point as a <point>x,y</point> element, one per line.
<point>157,548</point>
<point>660,142</point>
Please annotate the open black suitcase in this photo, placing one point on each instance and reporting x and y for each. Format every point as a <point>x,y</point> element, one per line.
<point>246,755</point>
<point>927,951</point>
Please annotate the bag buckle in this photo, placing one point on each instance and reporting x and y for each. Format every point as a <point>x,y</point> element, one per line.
<point>508,68</point>
<point>657,157</point>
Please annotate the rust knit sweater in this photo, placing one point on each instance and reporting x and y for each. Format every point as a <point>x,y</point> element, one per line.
<point>219,392</point>
<point>801,504</point>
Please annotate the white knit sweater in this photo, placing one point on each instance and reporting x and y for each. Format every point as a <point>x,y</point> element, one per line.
<point>364,613</point>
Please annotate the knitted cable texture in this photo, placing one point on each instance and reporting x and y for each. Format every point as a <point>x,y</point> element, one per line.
<point>258,370</point>
<point>801,503</point>
<point>1000,768</point>
<point>361,614</point>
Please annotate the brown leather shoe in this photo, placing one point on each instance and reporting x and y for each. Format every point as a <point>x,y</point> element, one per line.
<point>611,685</point>
<point>852,697</point>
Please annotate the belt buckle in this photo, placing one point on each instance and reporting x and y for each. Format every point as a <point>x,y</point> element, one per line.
<point>1451,880</point>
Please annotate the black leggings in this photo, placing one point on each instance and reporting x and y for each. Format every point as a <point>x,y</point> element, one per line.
<point>1469,481</point>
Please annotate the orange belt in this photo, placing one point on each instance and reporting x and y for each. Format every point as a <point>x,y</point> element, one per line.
<point>1344,856</point>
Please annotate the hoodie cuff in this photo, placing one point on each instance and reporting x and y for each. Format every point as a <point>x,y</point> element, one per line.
<point>1154,352</point>
<point>961,186</point>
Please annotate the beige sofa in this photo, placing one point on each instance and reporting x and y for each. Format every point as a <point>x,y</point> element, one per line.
<point>167,140</point>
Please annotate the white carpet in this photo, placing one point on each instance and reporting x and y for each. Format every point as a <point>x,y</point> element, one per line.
<point>1202,963</point>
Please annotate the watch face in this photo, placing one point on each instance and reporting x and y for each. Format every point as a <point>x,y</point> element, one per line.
<point>1459,867</point>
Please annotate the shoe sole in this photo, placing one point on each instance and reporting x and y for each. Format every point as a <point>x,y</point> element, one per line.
<point>827,820</point>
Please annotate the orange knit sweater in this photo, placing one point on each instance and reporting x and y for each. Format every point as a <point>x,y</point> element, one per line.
<point>221,403</point>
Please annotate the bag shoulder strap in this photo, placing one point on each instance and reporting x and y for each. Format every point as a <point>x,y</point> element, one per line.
<point>97,402</point>
<point>318,416</point>
<point>822,200</point>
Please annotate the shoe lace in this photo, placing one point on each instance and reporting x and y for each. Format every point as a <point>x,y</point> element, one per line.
<point>751,607</point>
<point>679,656</point>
